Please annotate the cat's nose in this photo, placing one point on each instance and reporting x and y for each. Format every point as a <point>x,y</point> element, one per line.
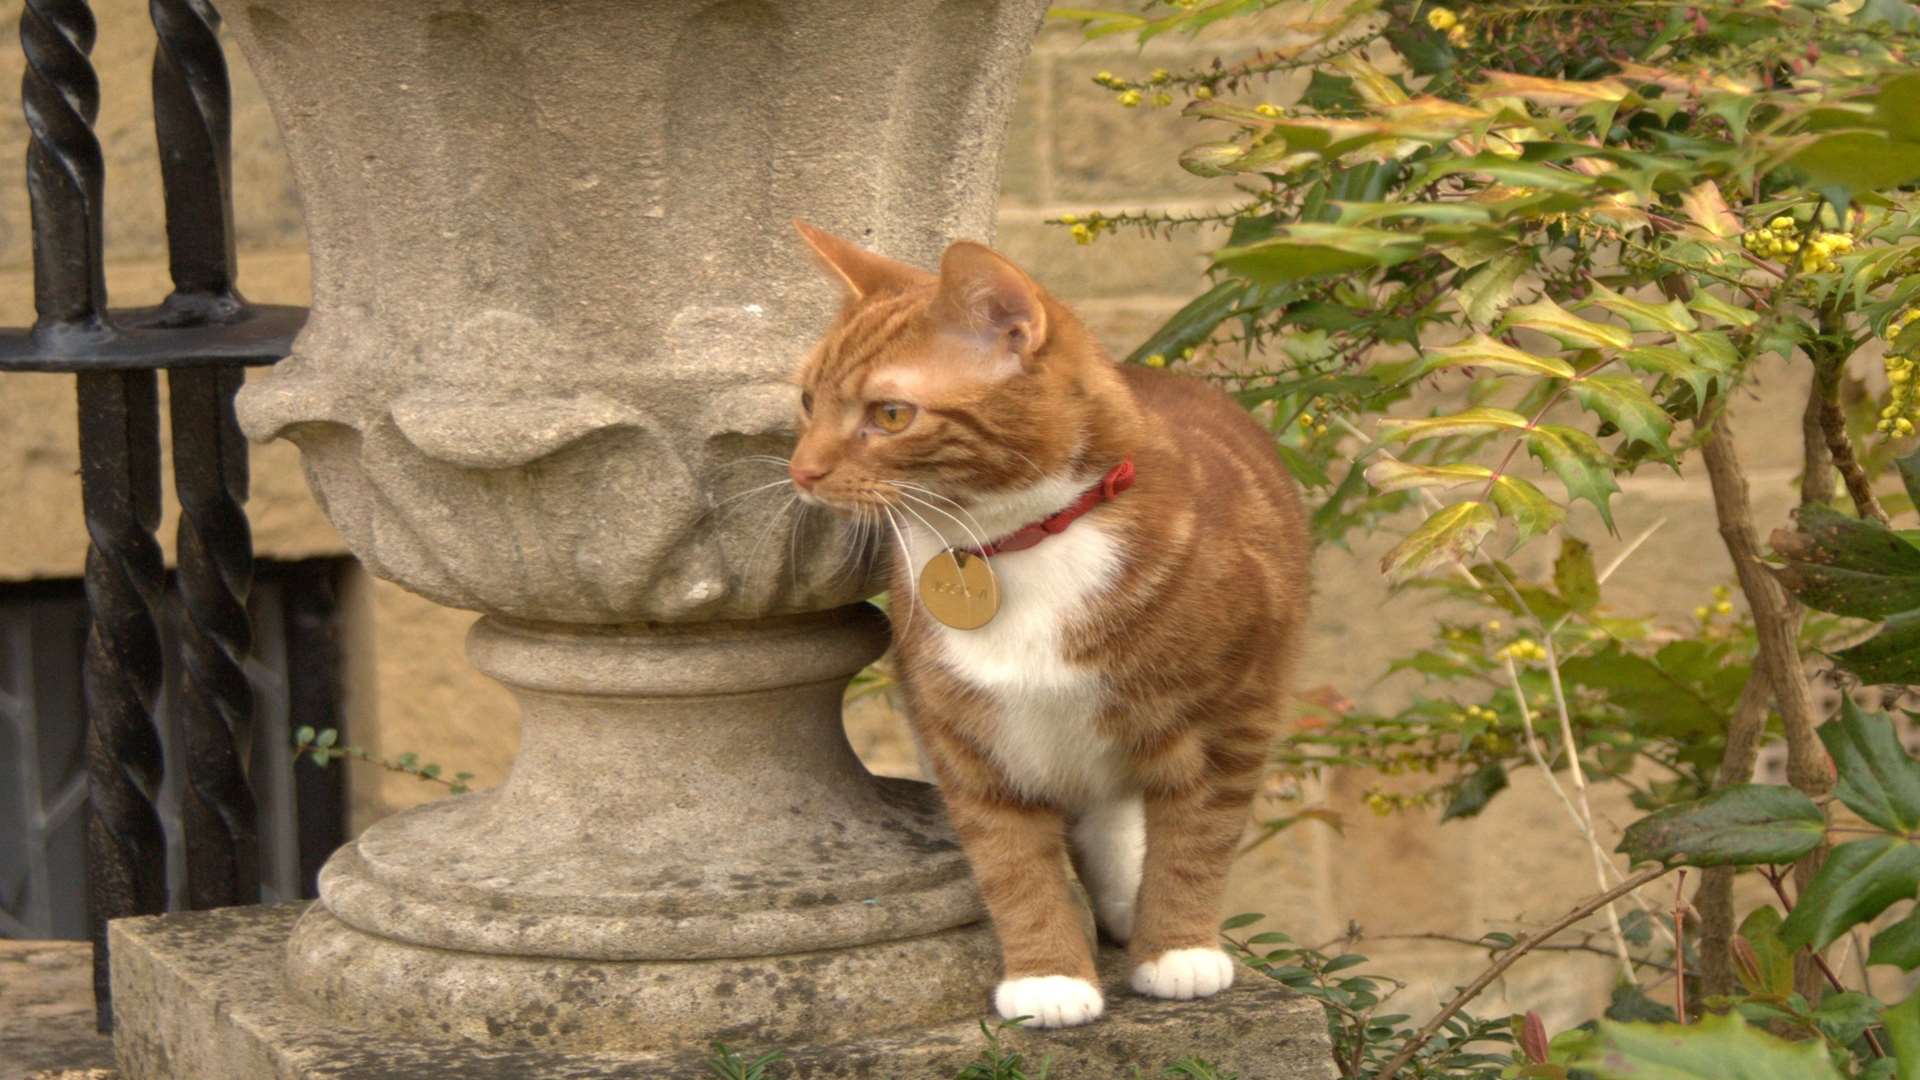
<point>803,476</point>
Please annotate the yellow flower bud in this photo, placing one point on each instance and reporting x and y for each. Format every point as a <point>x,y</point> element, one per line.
<point>1130,98</point>
<point>1082,234</point>
<point>1203,93</point>
<point>1265,109</point>
<point>1442,18</point>
<point>1155,360</point>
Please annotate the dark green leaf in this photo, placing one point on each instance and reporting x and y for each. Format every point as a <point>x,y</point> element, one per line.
<point>1573,575</point>
<point>1903,1031</point>
<point>1859,161</point>
<point>1877,778</point>
<point>1898,944</point>
<point>1193,323</point>
<point>1891,656</point>
<point>1308,251</point>
<point>1910,475</point>
<point>1630,1004</point>
<point>1772,974</point>
<point>1843,1016</point>
<point>1656,699</point>
<point>1860,880</point>
<point>1244,919</point>
<point>1741,825</point>
<point>1473,793</point>
<point>1716,1048</point>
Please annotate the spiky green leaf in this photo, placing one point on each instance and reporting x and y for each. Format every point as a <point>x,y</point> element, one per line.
<point>1569,329</point>
<point>1623,402</point>
<point>1477,421</point>
<point>1450,534</point>
<point>1583,467</point>
<point>1481,351</point>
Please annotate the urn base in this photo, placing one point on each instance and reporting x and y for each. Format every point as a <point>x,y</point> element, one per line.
<point>205,996</point>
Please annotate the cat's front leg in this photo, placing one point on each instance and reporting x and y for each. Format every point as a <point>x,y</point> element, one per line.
<point>1018,854</point>
<point>1192,833</point>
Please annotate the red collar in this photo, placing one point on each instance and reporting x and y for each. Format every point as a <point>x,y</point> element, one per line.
<point>1118,479</point>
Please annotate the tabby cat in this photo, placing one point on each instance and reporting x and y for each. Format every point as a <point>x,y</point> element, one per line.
<point>1116,709</point>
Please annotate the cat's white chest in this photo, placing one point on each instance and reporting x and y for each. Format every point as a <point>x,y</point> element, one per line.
<point>1043,731</point>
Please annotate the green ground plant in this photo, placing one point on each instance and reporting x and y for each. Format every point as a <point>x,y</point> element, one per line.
<point>1477,268</point>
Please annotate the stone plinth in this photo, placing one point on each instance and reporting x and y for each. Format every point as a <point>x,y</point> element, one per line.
<point>557,299</point>
<point>204,995</point>
<point>46,1009</point>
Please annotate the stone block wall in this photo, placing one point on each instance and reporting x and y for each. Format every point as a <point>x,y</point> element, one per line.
<point>1071,148</point>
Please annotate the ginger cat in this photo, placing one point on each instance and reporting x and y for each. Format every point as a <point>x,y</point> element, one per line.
<point>1119,704</point>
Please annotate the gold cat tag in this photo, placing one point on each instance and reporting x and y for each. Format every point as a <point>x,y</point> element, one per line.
<point>959,589</point>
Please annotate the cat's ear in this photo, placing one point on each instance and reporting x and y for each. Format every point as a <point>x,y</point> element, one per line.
<point>989,298</point>
<point>860,271</point>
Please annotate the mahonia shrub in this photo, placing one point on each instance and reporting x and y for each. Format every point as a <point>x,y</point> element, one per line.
<point>1478,266</point>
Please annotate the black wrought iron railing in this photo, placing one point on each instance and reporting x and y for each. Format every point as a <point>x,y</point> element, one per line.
<point>202,336</point>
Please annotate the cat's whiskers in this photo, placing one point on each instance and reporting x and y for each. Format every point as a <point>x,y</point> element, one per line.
<point>906,560</point>
<point>734,498</point>
<point>947,550</point>
<point>773,520</point>
<point>975,532</point>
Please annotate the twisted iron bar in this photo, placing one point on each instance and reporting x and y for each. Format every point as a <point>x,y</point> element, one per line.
<point>65,174</point>
<point>192,110</point>
<point>120,478</point>
<point>216,572</point>
<point>193,119</point>
<point>120,489</point>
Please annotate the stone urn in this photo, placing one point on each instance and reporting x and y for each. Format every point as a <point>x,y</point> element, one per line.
<point>557,298</point>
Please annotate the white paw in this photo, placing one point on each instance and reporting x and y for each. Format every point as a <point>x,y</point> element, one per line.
<point>1183,974</point>
<point>1049,1001</point>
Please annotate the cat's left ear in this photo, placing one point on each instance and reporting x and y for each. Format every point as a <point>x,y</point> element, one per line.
<point>985,296</point>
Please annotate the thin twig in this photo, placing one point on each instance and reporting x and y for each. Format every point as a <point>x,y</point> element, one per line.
<point>1680,947</point>
<point>1481,943</point>
<point>1526,945</point>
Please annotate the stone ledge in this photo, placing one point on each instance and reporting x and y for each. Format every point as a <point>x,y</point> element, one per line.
<point>46,1009</point>
<point>200,996</point>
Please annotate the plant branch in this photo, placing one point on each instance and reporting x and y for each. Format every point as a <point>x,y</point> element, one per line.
<point>1526,945</point>
<point>1714,898</point>
<point>1455,939</point>
<point>1776,619</point>
<point>1777,880</point>
<point>1825,400</point>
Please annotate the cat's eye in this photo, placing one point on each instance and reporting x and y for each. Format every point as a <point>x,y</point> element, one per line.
<point>806,403</point>
<point>893,417</point>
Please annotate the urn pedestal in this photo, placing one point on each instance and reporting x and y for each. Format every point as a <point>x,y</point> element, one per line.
<point>556,301</point>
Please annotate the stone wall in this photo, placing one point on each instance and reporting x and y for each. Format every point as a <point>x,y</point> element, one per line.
<point>1071,148</point>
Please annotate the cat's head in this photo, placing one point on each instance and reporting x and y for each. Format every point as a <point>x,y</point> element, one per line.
<point>967,384</point>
